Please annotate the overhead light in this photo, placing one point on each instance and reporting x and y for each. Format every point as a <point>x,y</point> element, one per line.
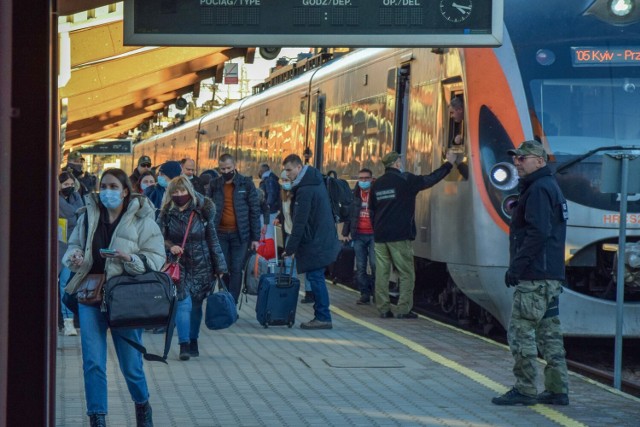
<point>181,103</point>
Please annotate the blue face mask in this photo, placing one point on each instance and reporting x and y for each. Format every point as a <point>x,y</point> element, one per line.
<point>162,181</point>
<point>110,198</point>
<point>364,184</point>
<point>286,186</point>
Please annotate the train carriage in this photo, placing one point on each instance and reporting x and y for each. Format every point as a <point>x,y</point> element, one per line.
<point>539,84</point>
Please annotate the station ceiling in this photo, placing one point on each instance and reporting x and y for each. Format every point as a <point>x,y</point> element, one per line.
<point>108,88</point>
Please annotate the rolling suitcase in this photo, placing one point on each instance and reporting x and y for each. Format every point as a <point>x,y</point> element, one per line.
<point>277,299</point>
<point>342,270</point>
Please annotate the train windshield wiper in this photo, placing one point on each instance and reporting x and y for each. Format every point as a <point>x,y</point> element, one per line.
<point>562,168</point>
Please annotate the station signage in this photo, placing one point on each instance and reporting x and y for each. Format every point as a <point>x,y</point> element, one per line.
<point>108,146</point>
<point>313,23</point>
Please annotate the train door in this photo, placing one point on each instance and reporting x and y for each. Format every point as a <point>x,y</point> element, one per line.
<point>239,128</point>
<point>316,127</point>
<point>401,111</point>
<point>454,136</point>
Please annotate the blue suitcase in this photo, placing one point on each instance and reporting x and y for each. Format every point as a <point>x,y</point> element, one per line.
<point>277,299</point>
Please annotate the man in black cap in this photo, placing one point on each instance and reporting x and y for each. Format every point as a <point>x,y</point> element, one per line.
<point>392,207</point>
<point>536,271</point>
<point>144,165</point>
<point>75,165</point>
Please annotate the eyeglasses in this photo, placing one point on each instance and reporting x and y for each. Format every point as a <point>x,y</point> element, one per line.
<point>145,165</point>
<point>522,158</point>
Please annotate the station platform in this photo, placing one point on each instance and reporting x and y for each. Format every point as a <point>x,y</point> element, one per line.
<point>366,371</point>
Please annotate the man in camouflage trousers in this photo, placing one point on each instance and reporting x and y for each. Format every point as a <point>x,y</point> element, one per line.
<point>536,270</point>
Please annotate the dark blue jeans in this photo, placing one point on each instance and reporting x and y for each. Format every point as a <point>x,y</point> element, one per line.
<point>364,248</point>
<point>196,318</point>
<point>234,252</point>
<point>319,288</point>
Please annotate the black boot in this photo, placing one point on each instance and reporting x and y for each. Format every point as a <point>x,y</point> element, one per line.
<point>143,415</point>
<point>308,298</point>
<point>185,354</point>
<point>193,348</point>
<point>97,420</point>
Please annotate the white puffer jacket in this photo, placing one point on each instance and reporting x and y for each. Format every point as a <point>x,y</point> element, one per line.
<point>137,233</point>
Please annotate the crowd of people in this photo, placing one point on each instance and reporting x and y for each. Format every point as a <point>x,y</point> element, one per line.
<point>209,223</point>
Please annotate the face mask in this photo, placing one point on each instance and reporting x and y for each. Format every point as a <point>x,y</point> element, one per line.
<point>144,186</point>
<point>66,192</point>
<point>364,185</point>
<point>181,200</point>
<point>75,169</point>
<point>287,186</point>
<point>110,198</point>
<point>162,181</point>
<point>228,175</point>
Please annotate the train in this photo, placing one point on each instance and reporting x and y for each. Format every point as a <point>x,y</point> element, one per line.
<point>566,74</point>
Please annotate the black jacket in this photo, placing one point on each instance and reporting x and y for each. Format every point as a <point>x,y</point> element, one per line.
<point>313,239</point>
<point>197,185</point>
<point>202,257</point>
<point>538,229</point>
<point>350,226</point>
<point>393,202</point>
<point>245,204</point>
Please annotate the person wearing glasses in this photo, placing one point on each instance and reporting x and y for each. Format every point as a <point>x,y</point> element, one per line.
<point>144,165</point>
<point>536,272</point>
<point>358,228</point>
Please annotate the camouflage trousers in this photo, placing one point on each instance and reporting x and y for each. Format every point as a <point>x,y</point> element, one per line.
<point>535,325</point>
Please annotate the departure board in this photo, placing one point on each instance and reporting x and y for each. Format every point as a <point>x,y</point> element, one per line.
<point>317,23</point>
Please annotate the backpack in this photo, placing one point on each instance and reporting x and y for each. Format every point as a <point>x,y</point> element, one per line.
<point>340,196</point>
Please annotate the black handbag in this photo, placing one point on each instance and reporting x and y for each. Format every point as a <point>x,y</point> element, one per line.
<point>145,300</point>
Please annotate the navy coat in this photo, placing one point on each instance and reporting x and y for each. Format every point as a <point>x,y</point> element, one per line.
<point>313,239</point>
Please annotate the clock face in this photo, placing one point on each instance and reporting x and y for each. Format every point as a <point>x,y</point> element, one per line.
<point>455,10</point>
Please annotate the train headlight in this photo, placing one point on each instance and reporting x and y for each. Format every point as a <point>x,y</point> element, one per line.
<point>621,7</point>
<point>508,204</point>
<point>504,176</point>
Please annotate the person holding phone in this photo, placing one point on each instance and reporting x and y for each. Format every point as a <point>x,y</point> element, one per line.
<point>120,231</point>
<point>200,259</point>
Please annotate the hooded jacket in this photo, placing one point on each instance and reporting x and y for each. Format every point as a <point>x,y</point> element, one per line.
<point>313,239</point>
<point>271,188</point>
<point>137,234</point>
<point>538,229</point>
<point>202,258</point>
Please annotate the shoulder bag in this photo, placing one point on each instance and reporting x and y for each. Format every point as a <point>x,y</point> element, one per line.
<point>90,290</point>
<point>172,268</point>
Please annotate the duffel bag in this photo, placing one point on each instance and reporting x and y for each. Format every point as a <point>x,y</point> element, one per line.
<point>221,309</point>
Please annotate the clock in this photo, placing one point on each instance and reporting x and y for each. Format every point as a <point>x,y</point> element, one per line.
<point>455,10</point>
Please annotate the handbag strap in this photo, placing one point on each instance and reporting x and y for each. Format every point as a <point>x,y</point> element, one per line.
<point>186,233</point>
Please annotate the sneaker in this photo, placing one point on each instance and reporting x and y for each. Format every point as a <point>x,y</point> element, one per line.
<point>551,398</point>
<point>387,315</point>
<point>184,351</point>
<point>514,397</point>
<point>316,324</point>
<point>69,329</point>
<point>409,315</point>
<point>193,348</point>
<point>364,300</point>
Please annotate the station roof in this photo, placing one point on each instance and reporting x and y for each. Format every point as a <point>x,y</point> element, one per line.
<point>107,88</point>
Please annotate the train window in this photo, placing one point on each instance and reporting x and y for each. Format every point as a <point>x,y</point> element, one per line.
<point>455,137</point>
<point>391,79</point>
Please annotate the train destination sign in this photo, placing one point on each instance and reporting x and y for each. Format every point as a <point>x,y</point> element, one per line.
<point>317,23</point>
<point>606,56</point>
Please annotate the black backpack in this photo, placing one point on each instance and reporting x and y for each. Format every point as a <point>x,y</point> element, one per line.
<point>340,196</point>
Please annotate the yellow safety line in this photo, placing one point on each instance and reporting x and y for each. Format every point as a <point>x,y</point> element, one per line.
<point>552,414</point>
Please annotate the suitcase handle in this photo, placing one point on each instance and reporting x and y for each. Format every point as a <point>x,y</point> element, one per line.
<point>281,273</point>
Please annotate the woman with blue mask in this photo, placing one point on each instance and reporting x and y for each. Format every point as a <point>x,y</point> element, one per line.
<point>166,172</point>
<point>122,221</point>
<point>284,219</point>
<point>146,180</point>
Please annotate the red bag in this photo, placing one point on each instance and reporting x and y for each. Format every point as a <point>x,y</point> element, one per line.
<point>173,268</point>
<point>267,248</point>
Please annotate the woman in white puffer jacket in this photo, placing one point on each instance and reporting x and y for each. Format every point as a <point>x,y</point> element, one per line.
<point>125,223</point>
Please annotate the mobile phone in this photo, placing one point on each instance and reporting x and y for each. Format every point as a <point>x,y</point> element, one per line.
<point>107,251</point>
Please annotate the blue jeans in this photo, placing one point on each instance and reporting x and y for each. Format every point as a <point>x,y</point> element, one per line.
<point>63,279</point>
<point>94,359</point>
<point>183,319</point>
<point>364,249</point>
<point>315,278</point>
<point>300,276</point>
<point>234,252</point>
<point>196,319</point>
